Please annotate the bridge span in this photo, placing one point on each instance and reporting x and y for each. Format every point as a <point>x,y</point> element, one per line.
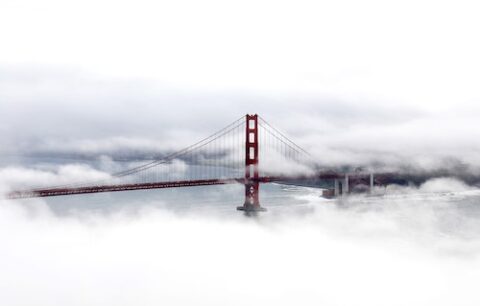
<point>249,151</point>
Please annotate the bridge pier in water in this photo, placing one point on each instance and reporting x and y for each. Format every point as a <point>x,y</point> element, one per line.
<point>344,186</point>
<point>252,181</point>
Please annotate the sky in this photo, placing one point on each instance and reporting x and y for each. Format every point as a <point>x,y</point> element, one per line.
<point>363,83</point>
<point>352,82</point>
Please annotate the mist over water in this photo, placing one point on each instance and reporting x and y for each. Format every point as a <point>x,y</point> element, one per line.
<point>403,246</point>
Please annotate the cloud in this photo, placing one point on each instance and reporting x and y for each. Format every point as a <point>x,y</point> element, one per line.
<point>125,122</point>
<point>14,178</point>
<point>150,256</point>
<point>374,84</point>
<point>444,185</point>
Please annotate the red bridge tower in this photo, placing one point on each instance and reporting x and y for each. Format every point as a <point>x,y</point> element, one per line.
<point>252,183</point>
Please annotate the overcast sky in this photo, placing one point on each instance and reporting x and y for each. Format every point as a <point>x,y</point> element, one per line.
<point>352,81</point>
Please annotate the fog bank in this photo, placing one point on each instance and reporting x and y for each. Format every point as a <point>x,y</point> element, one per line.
<point>406,248</point>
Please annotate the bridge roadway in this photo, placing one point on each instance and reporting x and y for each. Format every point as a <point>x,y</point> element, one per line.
<point>61,191</point>
<point>50,192</point>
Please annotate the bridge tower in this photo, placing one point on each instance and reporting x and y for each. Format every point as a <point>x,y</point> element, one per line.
<point>252,184</point>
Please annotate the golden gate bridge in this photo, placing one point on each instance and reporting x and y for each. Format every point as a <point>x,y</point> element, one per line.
<point>249,151</point>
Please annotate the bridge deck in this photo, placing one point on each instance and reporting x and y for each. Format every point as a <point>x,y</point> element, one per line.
<point>50,192</point>
<point>61,191</point>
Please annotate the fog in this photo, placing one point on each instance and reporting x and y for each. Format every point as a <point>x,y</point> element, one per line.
<point>409,247</point>
<point>85,87</point>
<point>372,84</point>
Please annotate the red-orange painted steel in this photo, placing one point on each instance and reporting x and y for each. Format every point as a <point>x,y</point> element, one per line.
<point>252,184</point>
<point>111,188</point>
<point>50,192</point>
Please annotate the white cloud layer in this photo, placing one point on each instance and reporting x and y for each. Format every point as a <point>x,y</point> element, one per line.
<point>14,178</point>
<point>353,82</point>
<point>359,82</point>
<point>394,250</point>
